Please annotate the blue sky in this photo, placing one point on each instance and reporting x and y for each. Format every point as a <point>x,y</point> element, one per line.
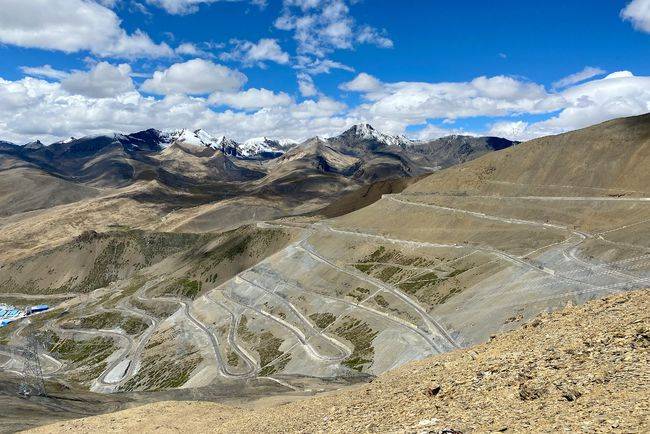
<point>298,68</point>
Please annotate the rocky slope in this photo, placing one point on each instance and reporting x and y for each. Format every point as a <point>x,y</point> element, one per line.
<point>582,369</point>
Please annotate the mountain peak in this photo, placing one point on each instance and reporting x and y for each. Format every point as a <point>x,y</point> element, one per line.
<point>37,144</point>
<point>365,131</point>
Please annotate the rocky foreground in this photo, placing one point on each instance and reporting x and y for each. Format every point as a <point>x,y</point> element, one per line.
<point>583,369</point>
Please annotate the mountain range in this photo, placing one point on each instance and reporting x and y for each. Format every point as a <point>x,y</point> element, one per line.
<point>178,269</point>
<point>189,168</point>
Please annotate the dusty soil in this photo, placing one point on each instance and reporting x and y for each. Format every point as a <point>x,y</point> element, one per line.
<point>582,369</point>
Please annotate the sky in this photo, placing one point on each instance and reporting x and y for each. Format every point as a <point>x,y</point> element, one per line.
<point>300,68</point>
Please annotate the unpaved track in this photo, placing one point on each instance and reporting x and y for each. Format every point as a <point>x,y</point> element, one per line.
<point>432,324</point>
<point>250,361</point>
<point>342,349</point>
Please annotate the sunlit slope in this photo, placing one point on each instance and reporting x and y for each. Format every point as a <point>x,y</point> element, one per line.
<point>611,157</point>
<point>585,368</point>
<point>557,219</point>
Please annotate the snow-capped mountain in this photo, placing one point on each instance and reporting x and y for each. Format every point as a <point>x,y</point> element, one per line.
<point>259,147</point>
<point>264,146</point>
<point>367,132</point>
<point>197,138</point>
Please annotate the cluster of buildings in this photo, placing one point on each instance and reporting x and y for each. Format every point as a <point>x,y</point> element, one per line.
<point>9,314</point>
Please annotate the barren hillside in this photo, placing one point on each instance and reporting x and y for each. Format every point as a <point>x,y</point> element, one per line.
<point>580,369</point>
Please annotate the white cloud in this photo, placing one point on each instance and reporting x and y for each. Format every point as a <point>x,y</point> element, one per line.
<point>44,71</point>
<point>430,132</point>
<point>320,66</point>
<point>257,53</point>
<point>184,7</point>
<point>587,73</point>
<point>617,95</point>
<point>189,49</point>
<point>362,83</point>
<point>251,99</point>
<point>71,26</point>
<point>370,35</point>
<point>102,81</point>
<point>322,26</point>
<point>513,130</point>
<point>103,99</point>
<point>416,102</point>
<point>194,77</point>
<point>638,13</point>
<point>306,85</point>
<point>33,108</point>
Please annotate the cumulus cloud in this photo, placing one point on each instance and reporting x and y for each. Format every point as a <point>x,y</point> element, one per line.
<point>35,108</point>
<point>104,99</point>
<point>194,77</point>
<point>362,83</point>
<point>513,130</point>
<point>189,49</point>
<point>259,52</point>
<point>251,99</point>
<point>416,102</point>
<point>587,73</point>
<point>71,26</point>
<point>638,13</point>
<point>617,95</point>
<point>102,81</point>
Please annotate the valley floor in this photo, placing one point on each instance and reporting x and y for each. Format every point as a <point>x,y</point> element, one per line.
<point>581,369</point>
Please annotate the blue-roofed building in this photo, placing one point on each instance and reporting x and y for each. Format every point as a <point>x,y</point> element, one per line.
<point>37,308</point>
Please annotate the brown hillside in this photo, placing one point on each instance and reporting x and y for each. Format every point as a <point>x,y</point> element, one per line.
<point>614,155</point>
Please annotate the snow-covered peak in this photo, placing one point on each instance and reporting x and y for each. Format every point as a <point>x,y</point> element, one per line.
<point>367,132</point>
<point>259,146</point>
<point>68,140</point>
<point>196,138</point>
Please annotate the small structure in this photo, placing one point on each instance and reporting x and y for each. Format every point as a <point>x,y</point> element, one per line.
<point>36,309</point>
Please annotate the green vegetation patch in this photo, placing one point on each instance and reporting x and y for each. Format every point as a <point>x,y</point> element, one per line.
<point>387,273</point>
<point>364,268</point>
<point>381,301</point>
<point>359,293</point>
<point>243,331</point>
<point>86,352</point>
<point>184,288</point>
<point>108,320</point>
<point>268,348</point>
<point>322,319</point>
<point>361,335</point>
<point>450,294</point>
<point>457,272</point>
<point>278,365</point>
<point>168,363</point>
<point>383,255</point>
<point>233,358</point>
<point>243,241</point>
<point>412,286</point>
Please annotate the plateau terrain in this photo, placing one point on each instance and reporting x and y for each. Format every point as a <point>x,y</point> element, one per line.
<point>178,264</point>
